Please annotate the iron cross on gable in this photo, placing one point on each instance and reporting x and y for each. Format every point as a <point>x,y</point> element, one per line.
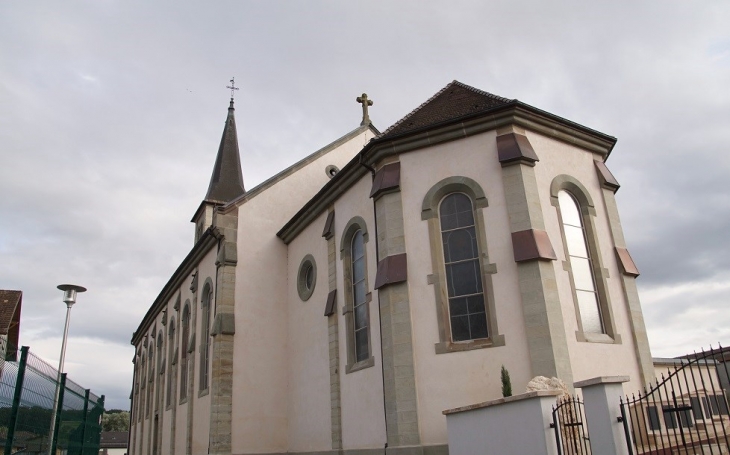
<point>365,103</point>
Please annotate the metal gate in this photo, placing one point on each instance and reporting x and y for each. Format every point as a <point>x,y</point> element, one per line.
<point>685,412</point>
<point>571,432</point>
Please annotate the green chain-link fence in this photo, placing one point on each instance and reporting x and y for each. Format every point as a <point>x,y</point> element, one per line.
<point>27,391</point>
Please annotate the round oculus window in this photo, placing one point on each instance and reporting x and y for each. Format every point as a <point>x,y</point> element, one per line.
<point>307,277</point>
<point>331,170</point>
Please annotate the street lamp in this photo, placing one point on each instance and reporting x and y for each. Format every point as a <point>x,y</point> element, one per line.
<point>69,298</point>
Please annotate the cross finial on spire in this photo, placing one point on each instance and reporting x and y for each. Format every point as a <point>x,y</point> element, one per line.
<point>233,88</point>
<point>365,103</point>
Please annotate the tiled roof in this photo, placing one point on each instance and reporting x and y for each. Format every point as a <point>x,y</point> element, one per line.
<point>453,101</point>
<point>113,439</point>
<point>9,301</point>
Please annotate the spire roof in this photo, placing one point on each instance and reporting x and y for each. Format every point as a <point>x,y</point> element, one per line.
<point>451,102</point>
<point>226,182</point>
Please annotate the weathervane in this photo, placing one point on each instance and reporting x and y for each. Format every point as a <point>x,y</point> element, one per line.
<point>232,87</point>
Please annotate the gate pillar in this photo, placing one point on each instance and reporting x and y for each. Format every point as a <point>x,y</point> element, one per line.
<point>601,397</point>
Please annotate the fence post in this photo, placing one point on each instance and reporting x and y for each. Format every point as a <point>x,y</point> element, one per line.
<point>84,423</point>
<point>10,438</point>
<point>601,398</point>
<point>57,423</point>
<point>97,437</point>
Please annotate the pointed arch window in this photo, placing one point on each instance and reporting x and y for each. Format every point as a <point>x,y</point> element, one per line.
<point>184,352</point>
<point>171,359</point>
<point>205,336</point>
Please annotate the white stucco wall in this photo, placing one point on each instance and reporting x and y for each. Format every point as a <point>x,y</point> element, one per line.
<point>260,372</point>
<point>363,424</point>
<point>308,341</point>
<point>201,414</point>
<point>460,378</point>
<point>558,158</point>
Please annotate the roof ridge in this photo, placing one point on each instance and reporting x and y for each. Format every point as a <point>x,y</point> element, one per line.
<point>410,114</point>
<point>482,92</point>
<point>436,95</point>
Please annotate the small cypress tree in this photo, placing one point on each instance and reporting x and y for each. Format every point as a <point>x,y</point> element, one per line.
<point>506,383</point>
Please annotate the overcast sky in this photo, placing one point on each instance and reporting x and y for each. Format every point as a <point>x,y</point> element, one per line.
<point>111,113</point>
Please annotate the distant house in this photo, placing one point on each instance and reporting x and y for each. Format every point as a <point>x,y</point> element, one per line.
<point>10,303</point>
<point>113,443</point>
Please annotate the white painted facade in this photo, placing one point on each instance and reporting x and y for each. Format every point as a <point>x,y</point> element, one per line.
<point>282,399</point>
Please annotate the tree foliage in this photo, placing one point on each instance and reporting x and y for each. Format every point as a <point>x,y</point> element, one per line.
<point>506,383</point>
<point>115,421</point>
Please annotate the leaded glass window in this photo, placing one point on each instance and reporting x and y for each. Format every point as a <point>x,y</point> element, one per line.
<point>184,352</point>
<point>171,343</point>
<point>205,338</point>
<point>360,309</point>
<point>467,313</point>
<point>584,282</point>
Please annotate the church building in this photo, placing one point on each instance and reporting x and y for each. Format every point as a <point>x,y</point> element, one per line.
<point>341,305</point>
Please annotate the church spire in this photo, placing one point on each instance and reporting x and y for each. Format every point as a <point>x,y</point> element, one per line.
<point>226,182</point>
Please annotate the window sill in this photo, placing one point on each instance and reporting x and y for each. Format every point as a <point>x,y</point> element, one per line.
<point>183,400</point>
<point>603,338</point>
<point>203,392</point>
<point>446,347</point>
<point>361,365</point>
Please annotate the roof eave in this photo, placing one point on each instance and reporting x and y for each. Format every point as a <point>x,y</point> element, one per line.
<point>513,113</point>
<point>209,239</point>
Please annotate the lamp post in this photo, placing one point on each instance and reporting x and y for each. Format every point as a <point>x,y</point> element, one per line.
<point>69,298</point>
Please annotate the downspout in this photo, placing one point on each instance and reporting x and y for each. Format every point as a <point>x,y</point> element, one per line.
<point>380,319</point>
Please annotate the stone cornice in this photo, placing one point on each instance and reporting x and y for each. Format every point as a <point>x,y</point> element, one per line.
<point>514,113</point>
<point>207,241</point>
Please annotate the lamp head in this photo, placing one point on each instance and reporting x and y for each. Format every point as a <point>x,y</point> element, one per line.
<point>69,292</point>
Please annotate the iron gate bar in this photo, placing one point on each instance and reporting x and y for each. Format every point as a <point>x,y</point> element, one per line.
<point>626,429</point>
<point>568,416</point>
<point>690,416</point>
<point>690,409</point>
<point>714,393</point>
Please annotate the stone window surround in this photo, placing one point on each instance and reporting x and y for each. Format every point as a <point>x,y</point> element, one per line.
<point>172,354</point>
<point>601,274</point>
<point>430,213</point>
<point>207,303</point>
<point>304,292</point>
<point>355,224</point>
<point>184,357</point>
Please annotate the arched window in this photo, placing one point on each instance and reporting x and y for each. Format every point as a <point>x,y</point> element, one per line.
<point>205,336</point>
<point>184,351</point>
<point>357,298</point>
<point>462,274</point>
<point>151,373</point>
<point>171,359</point>
<point>360,310</point>
<point>160,357</point>
<point>151,365</point>
<point>143,373</point>
<point>583,276</point>
<point>467,312</point>
<point>583,265</point>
